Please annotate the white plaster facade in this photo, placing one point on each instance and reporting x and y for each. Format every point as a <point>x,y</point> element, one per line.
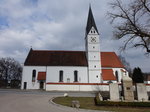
<point>93,56</point>
<point>68,73</point>
<point>27,77</point>
<point>52,75</point>
<point>120,73</point>
<point>72,87</point>
<point>147,82</point>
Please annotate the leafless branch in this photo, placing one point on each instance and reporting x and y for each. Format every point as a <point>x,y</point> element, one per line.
<point>132,22</point>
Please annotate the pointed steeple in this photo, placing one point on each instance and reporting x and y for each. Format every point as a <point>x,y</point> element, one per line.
<point>90,21</point>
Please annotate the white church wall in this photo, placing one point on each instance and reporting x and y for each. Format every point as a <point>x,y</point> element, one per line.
<point>81,87</point>
<point>94,77</point>
<point>93,31</point>
<point>27,76</point>
<point>68,74</point>
<point>147,82</point>
<point>94,56</point>
<point>120,73</point>
<point>148,87</point>
<point>93,47</point>
<point>108,81</point>
<point>94,65</point>
<point>95,36</point>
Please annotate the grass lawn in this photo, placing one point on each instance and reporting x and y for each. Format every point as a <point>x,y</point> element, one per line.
<point>88,103</point>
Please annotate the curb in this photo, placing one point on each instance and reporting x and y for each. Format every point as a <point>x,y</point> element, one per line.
<point>51,101</point>
<point>62,106</point>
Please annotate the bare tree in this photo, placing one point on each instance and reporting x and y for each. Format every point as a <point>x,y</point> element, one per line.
<point>126,64</point>
<point>10,69</point>
<point>132,22</point>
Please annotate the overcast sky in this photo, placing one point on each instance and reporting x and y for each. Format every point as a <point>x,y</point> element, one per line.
<point>57,25</point>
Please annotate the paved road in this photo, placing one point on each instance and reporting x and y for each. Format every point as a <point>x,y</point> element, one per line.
<point>22,102</point>
<point>60,93</point>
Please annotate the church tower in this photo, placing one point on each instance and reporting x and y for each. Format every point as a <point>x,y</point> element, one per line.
<point>92,45</point>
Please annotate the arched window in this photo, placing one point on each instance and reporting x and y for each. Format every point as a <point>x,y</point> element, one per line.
<point>33,75</point>
<point>61,76</point>
<point>75,76</point>
<point>116,73</point>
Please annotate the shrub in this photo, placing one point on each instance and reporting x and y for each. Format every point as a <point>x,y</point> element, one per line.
<point>126,104</point>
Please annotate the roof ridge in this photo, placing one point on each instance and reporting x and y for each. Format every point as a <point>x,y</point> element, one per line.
<point>58,51</point>
<point>71,51</point>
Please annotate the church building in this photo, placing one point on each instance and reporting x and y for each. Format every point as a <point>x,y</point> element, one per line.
<point>88,70</point>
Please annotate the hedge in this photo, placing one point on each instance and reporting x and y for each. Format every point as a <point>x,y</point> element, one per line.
<point>120,103</point>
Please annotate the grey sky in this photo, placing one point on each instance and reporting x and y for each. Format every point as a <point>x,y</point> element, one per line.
<point>57,25</point>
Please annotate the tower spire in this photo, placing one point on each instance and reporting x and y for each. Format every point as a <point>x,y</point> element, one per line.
<point>90,21</point>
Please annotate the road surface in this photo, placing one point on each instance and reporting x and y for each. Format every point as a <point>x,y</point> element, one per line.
<point>16,101</point>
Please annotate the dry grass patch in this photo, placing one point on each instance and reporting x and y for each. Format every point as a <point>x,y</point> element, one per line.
<point>88,103</point>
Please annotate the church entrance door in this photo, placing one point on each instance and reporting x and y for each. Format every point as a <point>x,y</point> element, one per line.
<point>41,85</point>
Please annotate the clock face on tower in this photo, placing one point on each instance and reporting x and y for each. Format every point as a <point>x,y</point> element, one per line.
<point>93,39</point>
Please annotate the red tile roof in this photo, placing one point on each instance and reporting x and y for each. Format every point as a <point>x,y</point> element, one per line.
<point>41,76</point>
<point>110,59</point>
<point>107,74</point>
<point>69,58</point>
<point>56,58</point>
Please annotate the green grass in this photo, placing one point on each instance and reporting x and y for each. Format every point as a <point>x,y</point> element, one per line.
<point>88,103</point>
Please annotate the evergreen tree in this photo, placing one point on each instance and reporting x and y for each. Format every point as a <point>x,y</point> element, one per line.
<point>137,75</point>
